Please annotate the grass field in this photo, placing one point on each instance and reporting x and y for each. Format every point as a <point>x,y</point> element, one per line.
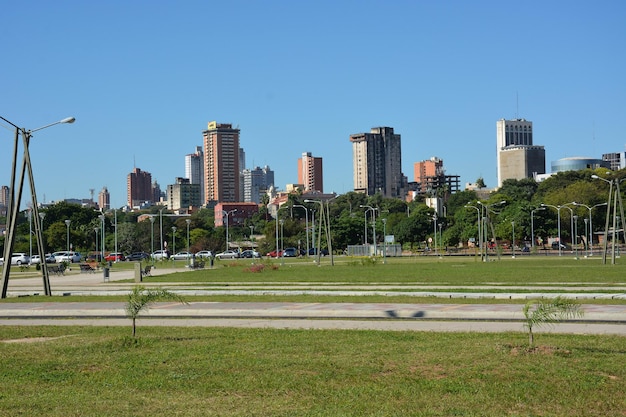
<point>101,371</point>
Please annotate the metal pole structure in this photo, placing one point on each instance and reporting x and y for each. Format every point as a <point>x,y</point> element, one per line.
<point>575,217</point>
<point>558,211</point>
<point>586,234</point>
<point>188,257</point>
<point>15,200</point>
<point>227,214</point>
<point>102,246</point>
<point>374,230</point>
<point>306,214</point>
<point>608,213</point>
<point>115,226</point>
<point>30,235</point>
<point>319,235</point>
<point>571,222</point>
<point>96,229</point>
<point>282,246</point>
<point>329,239</point>
<point>67,241</point>
<point>368,208</point>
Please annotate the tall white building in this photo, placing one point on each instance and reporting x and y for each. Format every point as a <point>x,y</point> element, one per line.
<point>194,169</point>
<point>256,182</point>
<point>517,157</point>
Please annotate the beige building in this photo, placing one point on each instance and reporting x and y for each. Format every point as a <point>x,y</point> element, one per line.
<point>517,157</point>
<point>310,173</point>
<point>221,163</point>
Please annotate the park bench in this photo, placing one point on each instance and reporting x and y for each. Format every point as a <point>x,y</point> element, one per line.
<point>86,268</point>
<point>57,269</point>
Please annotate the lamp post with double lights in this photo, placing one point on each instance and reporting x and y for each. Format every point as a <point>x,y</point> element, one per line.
<point>575,218</point>
<point>532,225</point>
<point>102,245</point>
<point>95,230</point>
<point>590,239</point>
<point>306,214</point>
<point>187,221</point>
<point>373,209</point>
<point>152,238</point>
<point>384,241</point>
<point>227,214</point>
<point>67,240</point>
<point>173,240</point>
<point>15,200</point>
<point>571,222</point>
<point>324,217</point>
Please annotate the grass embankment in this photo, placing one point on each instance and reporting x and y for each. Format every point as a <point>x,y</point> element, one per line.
<point>265,372</point>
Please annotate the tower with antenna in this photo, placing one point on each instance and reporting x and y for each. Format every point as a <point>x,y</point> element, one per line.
<point>91,192</point>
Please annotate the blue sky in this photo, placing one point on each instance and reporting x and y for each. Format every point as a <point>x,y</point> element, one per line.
<point>143,79</point>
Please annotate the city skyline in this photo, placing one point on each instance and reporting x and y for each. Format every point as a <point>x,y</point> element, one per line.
<point>296,77</point>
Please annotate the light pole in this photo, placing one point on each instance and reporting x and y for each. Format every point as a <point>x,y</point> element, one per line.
<point>282,246</point>
<point>152,238</point>
<point>590,240</point>
<point>173,240</point>
<point>30,235</point>
<point>435,231</point>
<point>513,240</point>
<point>15,200</point>
<point>102,249</point>
<point>67,223</point>
<point>587,235</point>
<point>480,246</point>
<point>227,213</point>
<point>306,214</point>
<point>96,229</point>
<point>485,230</point>
<point>188,257</point>
<point>571,222</point>
<point>532,225</point>
<point>115,226</point>
<point>161,228</point>
<point>384,241</point>
<point>440,237</point>
<point>575,218</point>
<point>322,216</point>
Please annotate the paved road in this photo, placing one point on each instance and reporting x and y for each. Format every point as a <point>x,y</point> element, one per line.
<point>598,319</point>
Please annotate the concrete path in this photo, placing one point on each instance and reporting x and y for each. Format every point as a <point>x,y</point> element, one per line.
<point>598,319</point>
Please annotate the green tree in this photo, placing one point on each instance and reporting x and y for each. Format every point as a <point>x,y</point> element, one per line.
<point>140,298</point>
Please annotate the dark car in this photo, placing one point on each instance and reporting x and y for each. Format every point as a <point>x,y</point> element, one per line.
<point>250,253</point>
<point>290,253</point>
<point>323,252</point>
<point>137,256</point>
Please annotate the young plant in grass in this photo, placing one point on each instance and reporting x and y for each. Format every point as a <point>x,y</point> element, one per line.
<point>539,312</point>
<point>141,298</point>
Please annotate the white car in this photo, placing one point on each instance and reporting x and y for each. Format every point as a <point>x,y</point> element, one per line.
<point>181,256</point>
<point>204,254</point>
<point>228,254</point>
<point>17,258</point>
<point>65,256</point>
<point>36,259</point>
<point>160,255</point>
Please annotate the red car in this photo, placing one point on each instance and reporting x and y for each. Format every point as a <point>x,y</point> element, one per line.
<point>272,254</point>
<point>114,257</point>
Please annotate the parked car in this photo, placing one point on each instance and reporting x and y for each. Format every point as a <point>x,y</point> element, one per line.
<point>555,245</point>
<point>275,254</point>
<point>206,254</point>
<point>114,257</point>
<point>160,255</point>
<point>36,259</point>
<point>182,256</point>
<point>64,256</point>
<point>17,258</point>
<point>250,253</point>
<point>323,252</point>
<point>137,256</point>
<point>290,253</point>
<point>228,254</point>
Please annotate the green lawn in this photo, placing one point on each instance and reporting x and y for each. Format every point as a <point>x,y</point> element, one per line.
<point>266,372</point>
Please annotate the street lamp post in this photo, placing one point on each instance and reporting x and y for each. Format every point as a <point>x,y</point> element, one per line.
<point>173,240</point>
<point>67,241</point>
<point>282,238</point>
<point>532,225</point>
<point>306,214</point>
<point>152,238</point>
<point>590,239</point>
<point>513,239</point>
<point>323,217</point>
<point>575,218</point>
<point>440,237</point>
<point>96,229</point>
<point>188,257</point>
<point>102,249</point>
<point>485,230</point>
<point>227,214</point>
<point>384,241</point>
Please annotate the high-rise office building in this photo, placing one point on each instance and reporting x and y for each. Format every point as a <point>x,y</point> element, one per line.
<point>310,173</point>
<point>518,158</point>
<point>256,182</point>
<point>616,160</point>
<point>221,163</point>
<point>194,169</point>
<point>104,199</point>
<point>4,196</point>
<point>377,162</point>
<point>139,187</point>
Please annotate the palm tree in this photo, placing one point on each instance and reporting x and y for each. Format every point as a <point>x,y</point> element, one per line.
<point>141,298</point>
<point>538,312</point>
